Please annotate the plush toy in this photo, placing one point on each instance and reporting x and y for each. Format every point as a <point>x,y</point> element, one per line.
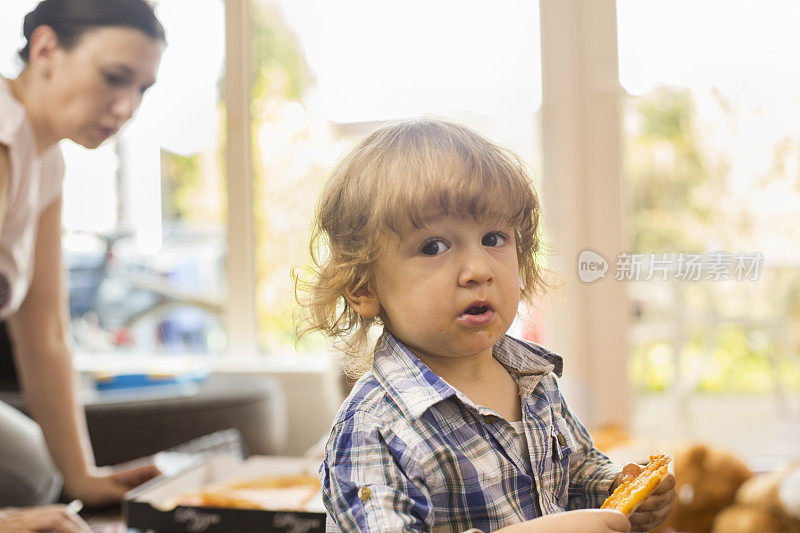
<point>767,503</point>
<point>707,480</point>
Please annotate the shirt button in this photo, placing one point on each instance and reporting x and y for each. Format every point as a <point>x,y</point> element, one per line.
<point>561,440</point>
<point>364,493</point>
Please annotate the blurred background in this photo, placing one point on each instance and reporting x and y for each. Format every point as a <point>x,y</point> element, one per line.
<point>180,233</point>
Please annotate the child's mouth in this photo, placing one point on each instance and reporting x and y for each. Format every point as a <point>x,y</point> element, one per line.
<point>478,314</point>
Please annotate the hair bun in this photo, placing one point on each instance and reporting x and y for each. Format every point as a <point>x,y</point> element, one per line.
<point>30,22</point>
<point>40,15</point>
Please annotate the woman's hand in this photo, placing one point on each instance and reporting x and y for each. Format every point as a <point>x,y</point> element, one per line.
<point>49,518</point>
<point>103,489</point>
<point>582,521</point>
<point>654,510</point>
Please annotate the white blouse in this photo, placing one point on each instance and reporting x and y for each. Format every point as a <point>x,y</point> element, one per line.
<point>36,182</point>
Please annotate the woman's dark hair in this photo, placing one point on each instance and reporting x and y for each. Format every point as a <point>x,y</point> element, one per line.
<point>71,18</point>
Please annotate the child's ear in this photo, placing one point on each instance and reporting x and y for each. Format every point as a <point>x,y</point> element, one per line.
<point>363,300</point>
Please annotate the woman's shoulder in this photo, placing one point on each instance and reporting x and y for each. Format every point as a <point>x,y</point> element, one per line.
<point>10,122</point>
<point>12,115</point>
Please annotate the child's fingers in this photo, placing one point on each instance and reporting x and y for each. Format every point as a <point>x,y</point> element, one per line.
<point>647,520</point>
<point>663,495</point>
<point>667,484</point>
<point>656,508</point>
<point>658,501</point>
<point>630,471</point>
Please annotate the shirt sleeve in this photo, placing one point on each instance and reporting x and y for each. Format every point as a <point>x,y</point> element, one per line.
<point>371,482</point>
<point>591,472</point>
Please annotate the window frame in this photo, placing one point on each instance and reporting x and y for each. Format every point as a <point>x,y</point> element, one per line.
<point>240,312</point>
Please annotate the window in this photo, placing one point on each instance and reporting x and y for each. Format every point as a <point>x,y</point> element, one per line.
<point>711,142</point>
<point>149,229</point>
<point>144,215</point>
<point>710,138</point>
<point>327,73</point>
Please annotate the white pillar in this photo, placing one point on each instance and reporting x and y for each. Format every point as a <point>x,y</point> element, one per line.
<point>141,187</point>
<point>240,311</point>
<point>583,203</point>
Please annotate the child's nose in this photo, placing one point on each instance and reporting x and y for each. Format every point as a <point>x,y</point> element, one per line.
<point>475,269</point>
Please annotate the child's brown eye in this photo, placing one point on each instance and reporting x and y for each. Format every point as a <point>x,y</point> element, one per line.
<point>493,239</point>
<point>433,247</point>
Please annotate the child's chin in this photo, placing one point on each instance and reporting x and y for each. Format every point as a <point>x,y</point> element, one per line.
<point>479,341</point>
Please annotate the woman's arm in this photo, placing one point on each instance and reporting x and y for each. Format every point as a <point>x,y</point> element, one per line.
<point>43,358</point>
<point>39,333</point>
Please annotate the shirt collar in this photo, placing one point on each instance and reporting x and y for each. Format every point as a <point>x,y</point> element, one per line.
<point>526,358</point>
<point>415,388</point>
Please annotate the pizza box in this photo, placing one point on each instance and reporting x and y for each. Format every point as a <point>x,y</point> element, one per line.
<point>148,506</point>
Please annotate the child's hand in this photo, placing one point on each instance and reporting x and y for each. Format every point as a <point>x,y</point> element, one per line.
<point>654,510</point>
<point>583,521</point>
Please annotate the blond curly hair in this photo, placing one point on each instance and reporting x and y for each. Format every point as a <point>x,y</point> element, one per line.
<point>400,176</point>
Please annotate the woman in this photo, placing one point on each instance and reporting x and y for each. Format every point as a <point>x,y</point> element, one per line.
<point>87,65</point>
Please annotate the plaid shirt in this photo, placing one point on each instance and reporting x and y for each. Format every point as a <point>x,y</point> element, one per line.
<point>408,452</point>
